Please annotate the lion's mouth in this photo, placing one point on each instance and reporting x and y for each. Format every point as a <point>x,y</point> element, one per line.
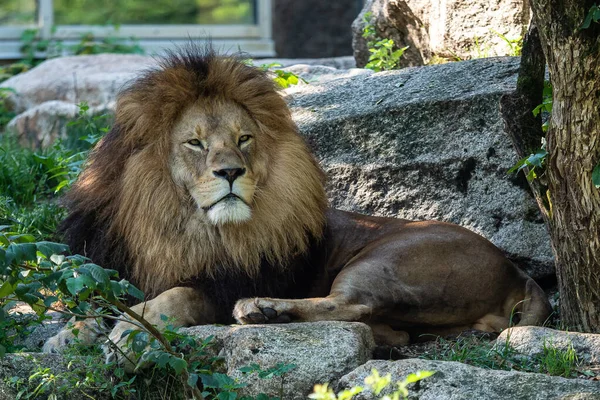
<point>228,197</point>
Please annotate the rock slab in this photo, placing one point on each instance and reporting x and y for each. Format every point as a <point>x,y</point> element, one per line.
<point>457,381</point>
<point>531,341</point>
<point>321,351</point>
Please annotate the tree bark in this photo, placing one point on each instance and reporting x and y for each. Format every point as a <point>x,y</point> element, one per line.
<point>573,57</point>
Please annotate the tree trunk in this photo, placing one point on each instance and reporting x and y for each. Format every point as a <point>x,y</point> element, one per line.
<point>573,57</point>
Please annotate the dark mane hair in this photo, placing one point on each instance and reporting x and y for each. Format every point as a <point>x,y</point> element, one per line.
<point>125,212</point>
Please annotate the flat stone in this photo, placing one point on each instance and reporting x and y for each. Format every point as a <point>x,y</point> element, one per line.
<point>531,341</point>
<point>321,351</point>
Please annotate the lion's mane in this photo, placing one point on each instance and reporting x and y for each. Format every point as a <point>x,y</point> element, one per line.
<point>126,213</point>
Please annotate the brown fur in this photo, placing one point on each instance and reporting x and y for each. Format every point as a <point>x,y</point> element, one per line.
<point>128,183</point>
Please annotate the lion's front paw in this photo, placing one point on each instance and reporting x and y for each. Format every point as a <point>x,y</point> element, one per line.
<point>82,332</point>
<point>58,342</point>
<point>261,311</point>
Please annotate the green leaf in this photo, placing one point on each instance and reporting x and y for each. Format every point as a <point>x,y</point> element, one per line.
<point>417,376</point>
<point>139,342</point>
<point>596,176</point>
<point>135,292</point>
<point>97,272</point>
<point>178,364</point>
<point>49,248</point>
<point>192,380</point>
<point>227,395</point>
<point>75,285</point>
<point>49,300</point>
<point>2,351</point>
<point>22,252</point>
<point>6,289</point>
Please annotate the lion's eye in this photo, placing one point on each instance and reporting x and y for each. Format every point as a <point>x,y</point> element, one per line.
<point>243,139</point>
<point>195,142</point>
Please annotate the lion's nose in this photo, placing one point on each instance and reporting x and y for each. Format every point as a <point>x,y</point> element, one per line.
<point>231,174</point>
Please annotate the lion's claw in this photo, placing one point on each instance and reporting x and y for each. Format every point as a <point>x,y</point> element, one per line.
<point>257,318</point>
<point>269,312</point>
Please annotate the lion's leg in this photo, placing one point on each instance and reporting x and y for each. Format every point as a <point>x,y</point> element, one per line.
<point>182,306</point>
<point>262,310</point>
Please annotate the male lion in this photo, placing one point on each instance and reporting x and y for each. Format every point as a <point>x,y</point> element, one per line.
<point>206,197</point>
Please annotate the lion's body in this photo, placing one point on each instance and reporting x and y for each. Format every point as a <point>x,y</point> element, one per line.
<point>204,183</point>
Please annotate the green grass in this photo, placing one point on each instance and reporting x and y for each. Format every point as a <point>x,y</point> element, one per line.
<point>483,353</point>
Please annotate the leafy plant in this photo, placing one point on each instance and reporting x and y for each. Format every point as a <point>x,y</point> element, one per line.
<point>515,45</point>
<point>284,79</point>
<point>6,114</point>
<point>534,163</point>
<point>384,56</point>
<point>9,70</point>
<point>376,384</point>
<point>593,15</point>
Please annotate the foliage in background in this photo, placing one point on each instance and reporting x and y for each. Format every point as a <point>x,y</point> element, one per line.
<point>31,179</point>
<point>33,46</point>
<point>383,56</point>
<point>515,45</point>
<point>6,114</point>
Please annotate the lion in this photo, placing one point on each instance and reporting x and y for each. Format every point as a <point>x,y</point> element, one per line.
<point>205,195</point>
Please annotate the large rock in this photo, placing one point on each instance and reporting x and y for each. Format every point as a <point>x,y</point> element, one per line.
<point>321,351</point>
<point>532,341</point>
<point>42,124</point>
<point>95,79</point>
<point>427,143</point>
<point>457,381</point>
<point>451,29</point>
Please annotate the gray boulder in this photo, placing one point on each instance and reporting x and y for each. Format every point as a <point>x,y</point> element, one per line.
<point>42,124</point>
<point>95,79</point>
<point>321,351</point>
<point>427,143</point>
<point>451,29</point>
<point>532,340</point>
<point>457,381</point>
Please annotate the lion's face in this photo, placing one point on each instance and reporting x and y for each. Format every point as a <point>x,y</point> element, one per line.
<point>215,158</point>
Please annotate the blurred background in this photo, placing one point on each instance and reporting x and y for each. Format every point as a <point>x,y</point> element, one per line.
<point>263,28</point>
